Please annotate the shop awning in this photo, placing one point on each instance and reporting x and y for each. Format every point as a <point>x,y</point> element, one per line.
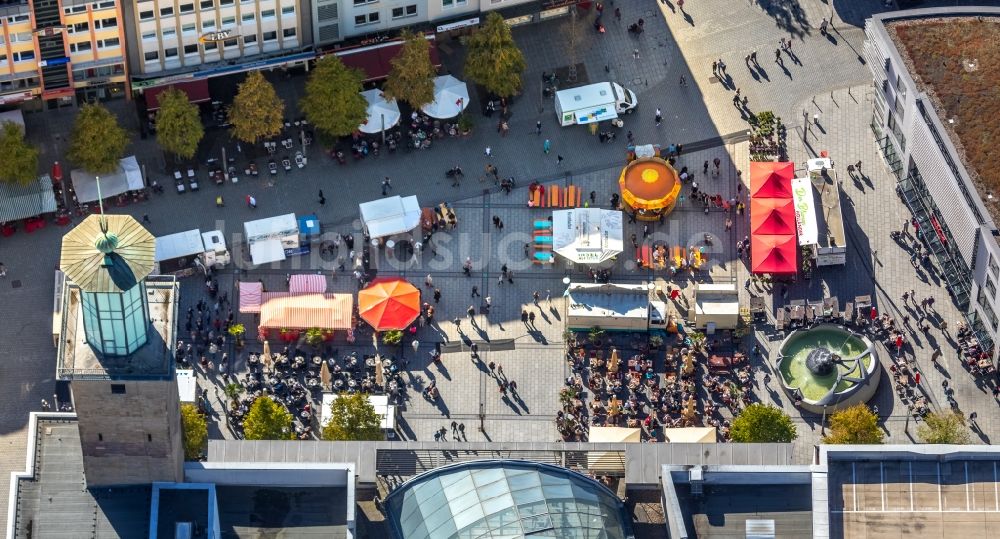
<point>771,180</point>
<point>772,216</point>
<point>307,284</point>
<point>127,178</point>
<point>375,60</point>
<point>24,201</point>
<point>324,311</point>
<point>251,296</point>
<point>774,254</point>
<point>196,90</point>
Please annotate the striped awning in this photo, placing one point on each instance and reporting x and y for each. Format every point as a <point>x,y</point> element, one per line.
<point>24,201</point>
<point>307,284</point>
<point>324,311</point>
<point>250,297</point>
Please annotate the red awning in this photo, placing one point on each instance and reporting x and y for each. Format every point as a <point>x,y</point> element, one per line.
<point>774,254</point>
<point>774,216</point>
<point>196,90</point>
<point>375,60</point>
<point>771,180</point>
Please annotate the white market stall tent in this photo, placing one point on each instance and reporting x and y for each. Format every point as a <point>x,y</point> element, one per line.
<point>451,96</point>
<point>270,239</point>
<point>613,307</point>
<point>587,235</point>
<point>610,461</point>
<point>690,435</point>
<point>390,216</point>
<point>382,113</point>
<point>380,402</point>
<point>127,178</point>
<point>716,306</point>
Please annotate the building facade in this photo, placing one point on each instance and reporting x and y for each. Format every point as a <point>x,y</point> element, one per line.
<point>61,51</point>
<point>932,179</point>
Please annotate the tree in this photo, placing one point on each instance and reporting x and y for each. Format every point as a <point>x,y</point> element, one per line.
<point>97,142</point>
<point>943,428</point>
<point>178,125</point>
<point>257,112</point>
<point>333,102</point>
<point>854,425</point>
<point>352,417</point>
<point>411,78</point>
<point>762,423</point>
<point>18,159</point>
<point>267,420</point>
<point>195,431</point>
<point>494,60</point>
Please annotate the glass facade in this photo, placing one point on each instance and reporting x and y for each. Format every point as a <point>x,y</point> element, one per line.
<point>493,499</point>
<point>115,323</point>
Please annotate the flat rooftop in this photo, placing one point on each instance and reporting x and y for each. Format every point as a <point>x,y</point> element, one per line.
<point>722,511</point>
<point>954,60</point>
<point>77,360</point>
<point>54,503</point>
<point>913,498</point>
<point>265,512</point>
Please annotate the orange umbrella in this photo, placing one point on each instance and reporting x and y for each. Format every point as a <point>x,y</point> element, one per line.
<point>389,303</point>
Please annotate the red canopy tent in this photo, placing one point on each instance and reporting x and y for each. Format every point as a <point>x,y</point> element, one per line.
<point>772,216</point>
<point>771,180</point>
<point>774,254</point>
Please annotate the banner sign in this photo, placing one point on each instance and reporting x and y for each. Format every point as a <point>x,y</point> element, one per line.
<point>805,212</point>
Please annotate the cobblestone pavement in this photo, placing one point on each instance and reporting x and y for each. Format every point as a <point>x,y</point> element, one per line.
<point>698,115</point>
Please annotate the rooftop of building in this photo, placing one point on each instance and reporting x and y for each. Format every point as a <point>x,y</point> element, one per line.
<point>724,511</point>
<point>262,512</point>
<point>77,360</point>
<point>953,59</point>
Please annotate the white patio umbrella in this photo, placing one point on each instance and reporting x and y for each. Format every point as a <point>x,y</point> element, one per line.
<point>382,113</point>
<point>451,96</point>
<point>587,235</point>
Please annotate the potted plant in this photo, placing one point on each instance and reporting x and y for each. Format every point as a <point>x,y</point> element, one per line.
<point>314,337</point>
<point>655,342</point>
<point>596,335</point>
<point>698,340</point>
<point>237,331</point>
<point>233,391</point>
<point>566,396</point>
<point>392,337</point>
<point>465,124</point>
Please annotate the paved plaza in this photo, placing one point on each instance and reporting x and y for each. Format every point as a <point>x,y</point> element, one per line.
<point>829,80</point>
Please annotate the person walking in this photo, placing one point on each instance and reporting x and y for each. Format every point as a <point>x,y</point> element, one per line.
<point>471,311</point>
<point>429,281</point>
<point>488,152</point>
<point>475,291</point>
<point>659,117</point>
<point>493,367</point>
<point>715,67</point>
<point>531,319</point>
<point>635,54</point>
<point>753,57</point>
<point>777,56</point>
<point>559,160</point>
<point>538,127</point>
<point>535,296</point>
<point>467,267</point>
<point>145,218</point>
<point>3,270</point>
<point>437,295</point>
<point>322,199</point>
<point>488,301</point>
<point>499,370</point>
<point>683,81</point>
<point>546,146</point>
<point>722,67</point>
<point>386,186</point>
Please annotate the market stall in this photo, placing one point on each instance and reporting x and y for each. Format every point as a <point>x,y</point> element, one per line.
<point>716,306</point>
<point>610,461</point>
<point>587,235</point>
<point>649,188</point>
<point>26,201</point>
<point>690,435</point>
<point>273,238</point>
<point>774,254</point>
<point>390,216</point>
<point>292,314</point>
<point>613,307</point>
<point>127,178</point>
<point>451,96</point>
<point>382,113</point>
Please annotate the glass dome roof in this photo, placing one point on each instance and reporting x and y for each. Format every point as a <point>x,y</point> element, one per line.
<point>503,498</point>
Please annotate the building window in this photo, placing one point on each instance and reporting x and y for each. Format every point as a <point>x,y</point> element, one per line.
<point>190,50</point>
<point>227,21</point>
<point>210,46</point>
<point>109,43</point>
<point>152,56</point>
<point>69,10</point>
<point>267,14</point>
<point>230,43</point>
<point>149,36</point>
<point>23,56</point>
<point>20,37</point>
<point>208,23</point>
<point>105,5</point>
<point>248,17</point>
<point>994,268</point>
<point>402,12</point>
<point>371,18</point>
<point>363,2</point>
<point>453,3</point>
<point>250,38</point>
<point>79,47</point>
<point>169,32</point>
<point>24,18</point>
<point>110,22</point>
<point>226,2</point>
<point>166,11</point>
<point>270,36</point>
<point>189,28</point>
<point>117,389</point>
<point>146,15</point>
<point>207,5</point>
<point>900,88</point>
<point>3,58</point>
<point>187,8</point>
<point>170,53</point>
<point>288,32</point>
<point>78,27</point>
<point>287,10</point>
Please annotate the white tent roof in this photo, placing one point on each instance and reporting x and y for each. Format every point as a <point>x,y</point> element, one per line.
<point>451,96</point>
<point>381,112</point>
<point>390,215</point>
<point>271,227</point>
<point>380,402</point>
<point>266,251</point>
<point>717,299</point>
<point>690,435</point>
<point>614,435</point>
<point>128,177</point>
<point>587,235</point>
<point>187,386</point>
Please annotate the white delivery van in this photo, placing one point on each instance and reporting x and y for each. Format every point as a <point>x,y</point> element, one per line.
<point>594,103</point>
<point>182,252</point>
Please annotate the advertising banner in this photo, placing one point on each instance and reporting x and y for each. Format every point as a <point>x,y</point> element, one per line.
<point>805,212</point>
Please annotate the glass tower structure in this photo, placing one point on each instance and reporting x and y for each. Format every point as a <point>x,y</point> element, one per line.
<point>116,323</point>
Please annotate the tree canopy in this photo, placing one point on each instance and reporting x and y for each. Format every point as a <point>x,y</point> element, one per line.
<point>257,112</point>
<point>178,125</point>
<point>854,425</point>
<point>97,142</point>
<point>18,159</point>
<point>762,423</point>
<point>944,428</point>
<point>494,60</point>
<point>195,431</point>
<point>267,420</point>
<point>333,102</point>
<point>352,417</point>
<point>411,78</point>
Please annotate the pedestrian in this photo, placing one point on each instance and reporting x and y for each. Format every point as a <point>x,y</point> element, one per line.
<point>322,199</point>
<point>493,367</point>
<point>3,270</point>
<point>488,152</point>
<point>738,90</point>
<point>531,318</point>
<point>635,242</point>
<point>618,14</point>
<point>704,169</point>
<point>722,66</point>
<point>510,277</point>
<point>715,66</point>
<point>593,197</point>
<point>524,316</point>
<point>503,387</point>
<point>145,218</point>
<point>386,185</point>
<point>500,370</point>
<point>504,128</point>
<point>858,167</point>
<point>471,311</point>
<point>546,146</point>
<point>538,127</point>
<point>559,160</point>
<point>729,224</point>
<point>467,267</point>
<point>736,100</point>
<point>488,301</point>
<point>475,291</point>
<point>500,279</point>
<point>972,418</point>
<point>745,100</point>
<point>535,296</point>
<point>501,225</point>
<point>437,295</point>
<point>777,55</point>
<point>746,60</point>
<point>683,81</point>
<point>635,54</point>
<point>753,57</point>
<point>659,117</point>
<point>429,281</point>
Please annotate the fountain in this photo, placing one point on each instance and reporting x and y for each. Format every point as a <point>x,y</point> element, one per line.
<point>828,367</point>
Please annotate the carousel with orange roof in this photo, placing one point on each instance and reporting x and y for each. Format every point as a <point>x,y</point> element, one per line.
<point>649,187</point>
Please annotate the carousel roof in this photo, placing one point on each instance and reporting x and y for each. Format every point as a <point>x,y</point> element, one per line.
<point>649,183</point>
